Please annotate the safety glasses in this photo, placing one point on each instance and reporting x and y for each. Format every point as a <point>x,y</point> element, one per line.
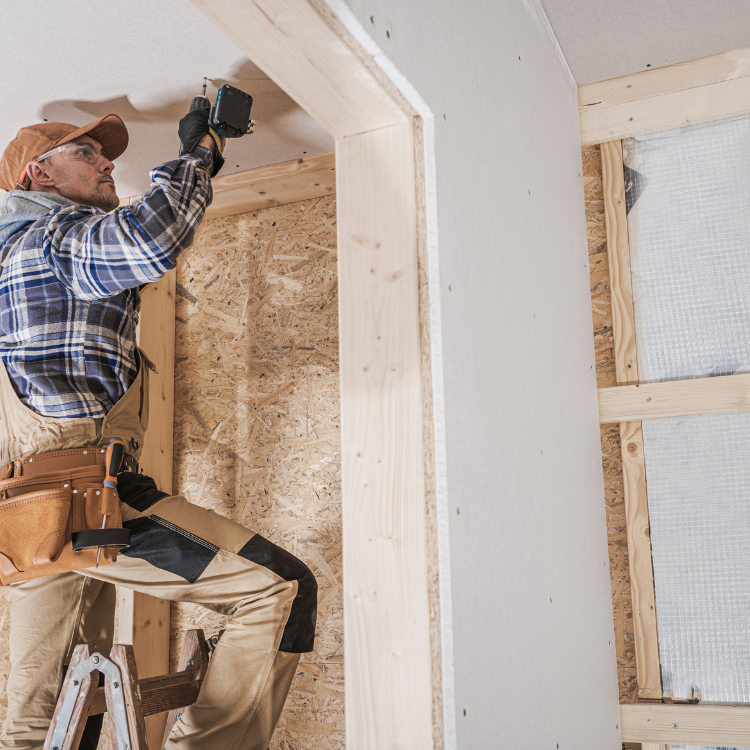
<point>80,151</point>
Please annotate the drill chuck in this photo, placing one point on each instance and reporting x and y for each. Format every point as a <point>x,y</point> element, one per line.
<point>200,102</point>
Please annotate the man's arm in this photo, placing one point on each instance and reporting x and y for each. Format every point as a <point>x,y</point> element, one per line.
<point>98,255</point>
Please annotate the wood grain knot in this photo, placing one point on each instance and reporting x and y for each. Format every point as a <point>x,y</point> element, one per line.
<point>632,448</point>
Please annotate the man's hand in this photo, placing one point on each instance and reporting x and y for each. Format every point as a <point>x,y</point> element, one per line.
<point>194,131</point>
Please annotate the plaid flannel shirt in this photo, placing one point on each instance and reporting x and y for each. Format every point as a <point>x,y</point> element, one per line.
<point>69,290</point>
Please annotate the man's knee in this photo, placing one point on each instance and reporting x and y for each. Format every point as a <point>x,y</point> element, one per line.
<point>299,632</point>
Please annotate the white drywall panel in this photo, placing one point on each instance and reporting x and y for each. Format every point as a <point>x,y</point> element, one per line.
<point>78,60</point>
<point>533,644</point>
<point>608,38</point>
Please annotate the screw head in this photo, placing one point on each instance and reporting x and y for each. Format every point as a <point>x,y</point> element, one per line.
<point>75,682</point>
<point>630,119</point>
<point>628,85</point>
<point>649,398</point>
<point>55,748</point>
<point>190,663</point>
<point>674,726</point>
<point>94,659</point>
<point>115,685</point>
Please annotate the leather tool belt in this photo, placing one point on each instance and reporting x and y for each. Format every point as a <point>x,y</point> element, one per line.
<point>51,511</point>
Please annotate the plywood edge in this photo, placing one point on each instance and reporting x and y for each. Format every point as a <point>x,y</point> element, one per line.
<point>676,398</point>
<point>705,725</point>
<point>688,93</point>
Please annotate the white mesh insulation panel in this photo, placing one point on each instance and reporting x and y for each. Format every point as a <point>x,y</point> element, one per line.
<point>701,747</point>
<point>688,191</point>
<point>698,474</point>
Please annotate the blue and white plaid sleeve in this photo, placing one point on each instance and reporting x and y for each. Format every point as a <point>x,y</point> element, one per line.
<point>98,255</point>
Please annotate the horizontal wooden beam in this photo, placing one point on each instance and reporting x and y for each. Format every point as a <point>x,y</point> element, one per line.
<point>274,185</point>
<point>678,723</point>
<point>295,46</point>
<point>674,398</point>
<point>709,88</point>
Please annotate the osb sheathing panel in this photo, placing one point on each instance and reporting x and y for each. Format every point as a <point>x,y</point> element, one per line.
<point>257,419</point>
<point>601,308</point>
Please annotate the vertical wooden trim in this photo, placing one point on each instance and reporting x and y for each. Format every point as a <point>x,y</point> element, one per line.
<point>618,252</point>
<point>386,614</point>
<point>639,557</point>
<point>144,620</point>
<point>631,433</point>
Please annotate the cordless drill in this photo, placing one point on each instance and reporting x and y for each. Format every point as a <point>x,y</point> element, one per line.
<point>230,114</point>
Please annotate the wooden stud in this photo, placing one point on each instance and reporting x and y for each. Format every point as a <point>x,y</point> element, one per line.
<point>631,434</point>
<point>674,398</point>
<point>123,656</point>
<point>298,50</point>
<point>274,185</point>
<point>144,620</point>
<point>639,554</point>
<point>85,698</point>
<point>684,724</point>
<point>618,250</point>
<point>386,619</point>
<point>702,90</point>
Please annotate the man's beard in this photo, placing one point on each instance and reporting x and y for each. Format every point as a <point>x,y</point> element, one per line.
<point>102,198</point>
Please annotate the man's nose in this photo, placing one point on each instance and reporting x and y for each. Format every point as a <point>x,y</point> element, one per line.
<point>105,165</point>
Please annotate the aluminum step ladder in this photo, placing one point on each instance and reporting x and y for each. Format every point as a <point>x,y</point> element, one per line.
<point>124,697</point>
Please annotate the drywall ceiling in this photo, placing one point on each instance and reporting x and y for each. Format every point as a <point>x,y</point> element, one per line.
<point>608,38</point>
<point>78,60</point>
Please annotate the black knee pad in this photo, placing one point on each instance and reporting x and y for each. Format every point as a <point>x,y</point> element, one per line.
<point>299,633</point>
<point>138,490</point>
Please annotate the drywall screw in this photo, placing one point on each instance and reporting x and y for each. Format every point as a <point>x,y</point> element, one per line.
<point>674,726</point>
<point>630,119</point>
<point>649,398</point>
<point>628,85</point>
<point>94,659</point>
<point>115,685</point>
<point>190,663</point>
<point>75,682</point>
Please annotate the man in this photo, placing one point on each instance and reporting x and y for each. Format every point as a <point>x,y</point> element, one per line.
<point>68,311</point>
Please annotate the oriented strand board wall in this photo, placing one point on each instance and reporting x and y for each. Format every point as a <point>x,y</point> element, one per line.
<point>257,419</point>
<point>257,424</point>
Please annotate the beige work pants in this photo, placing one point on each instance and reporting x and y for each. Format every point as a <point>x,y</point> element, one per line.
<point>180,552</point>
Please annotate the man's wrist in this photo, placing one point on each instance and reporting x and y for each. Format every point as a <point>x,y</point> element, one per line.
<point>207,141</point>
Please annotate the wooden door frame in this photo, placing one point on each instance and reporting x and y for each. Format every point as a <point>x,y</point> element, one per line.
<point>386,229</point>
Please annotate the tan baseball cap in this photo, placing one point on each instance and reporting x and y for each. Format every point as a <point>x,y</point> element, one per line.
<point>36,140</point>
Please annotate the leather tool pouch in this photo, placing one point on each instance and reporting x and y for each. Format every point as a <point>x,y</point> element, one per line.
<point>51,511</point>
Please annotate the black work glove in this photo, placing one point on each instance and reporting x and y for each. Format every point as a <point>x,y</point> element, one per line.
<point>193,126</point>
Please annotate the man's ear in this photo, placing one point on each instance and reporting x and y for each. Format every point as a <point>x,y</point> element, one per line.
<point>39,175</point>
